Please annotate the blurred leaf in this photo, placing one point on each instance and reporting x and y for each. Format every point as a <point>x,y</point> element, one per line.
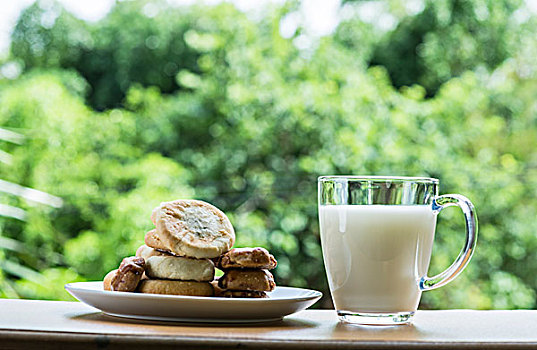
<point>21,271</point>
<point>12,244</point>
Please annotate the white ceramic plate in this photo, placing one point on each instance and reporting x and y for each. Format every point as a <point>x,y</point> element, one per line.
<point>283,301</point>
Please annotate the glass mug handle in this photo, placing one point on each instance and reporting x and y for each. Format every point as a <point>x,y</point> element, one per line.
<point>439,203</point>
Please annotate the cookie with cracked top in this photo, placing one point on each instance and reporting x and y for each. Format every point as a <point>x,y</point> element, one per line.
<point>193,228</point>
<point>251,280</point>
<point>249,258</point>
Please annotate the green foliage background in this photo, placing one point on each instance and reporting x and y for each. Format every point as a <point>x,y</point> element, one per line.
<point>208,102</point>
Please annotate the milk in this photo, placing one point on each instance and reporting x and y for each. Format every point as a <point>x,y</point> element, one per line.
<point>375,255</point>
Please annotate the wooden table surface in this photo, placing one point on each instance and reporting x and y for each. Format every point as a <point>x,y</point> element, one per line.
<point>26,324</point>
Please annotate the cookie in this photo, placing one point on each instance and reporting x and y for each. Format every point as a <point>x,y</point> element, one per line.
<point>179,268</point>
<point>152,240</point>
<point>146,252</point>
<point>127,276</point>
<point>242,294</point>
<point>253,258</point>
<point>193,228</point>
<point>107,281</point>
<point>204,289</point>
<point>216,287</point>
<point>224,293</point>
<point>258,280</point>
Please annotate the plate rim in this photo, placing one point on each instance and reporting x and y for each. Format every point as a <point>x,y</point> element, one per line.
<point>77,286</point>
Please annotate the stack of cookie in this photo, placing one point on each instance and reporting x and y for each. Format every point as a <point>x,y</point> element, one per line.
<point>246,273</point>
<point>166,273</point>
<point>177,252</point>
<point>180,254</point>
<point>176,258</point>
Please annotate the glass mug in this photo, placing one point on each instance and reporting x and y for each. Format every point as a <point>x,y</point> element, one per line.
<point>377,235</point>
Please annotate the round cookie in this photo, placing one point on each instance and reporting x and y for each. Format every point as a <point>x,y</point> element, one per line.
<point>126,277</point>
<point>152,240</point>
<point>107,281</point>
<point>193,228</point>
<point>242,294</point>
<point>257,280</point>
<point>128,274</point>
<point>179,268</point>
<point>226,293</point>
<point>247,258</point>
<point>204,289</point>
<point>146,252</point>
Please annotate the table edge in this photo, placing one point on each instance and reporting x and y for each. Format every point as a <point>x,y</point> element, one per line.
<point>99,339</point>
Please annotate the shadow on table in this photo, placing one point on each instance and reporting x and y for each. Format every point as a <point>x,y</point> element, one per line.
<point>284,323</point>
<point>405,332</point>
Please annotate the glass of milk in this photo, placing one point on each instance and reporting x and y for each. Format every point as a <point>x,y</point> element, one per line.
<point>377,235</point>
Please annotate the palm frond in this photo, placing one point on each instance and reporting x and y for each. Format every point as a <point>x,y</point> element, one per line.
<point>7,266</point>
<point>21,271</point>
<point>11,136</point>
<point>12,244</point>
<point>30,194</point>
<point>12,212</point>
<point>5,157</point>
<point>7,289</point>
